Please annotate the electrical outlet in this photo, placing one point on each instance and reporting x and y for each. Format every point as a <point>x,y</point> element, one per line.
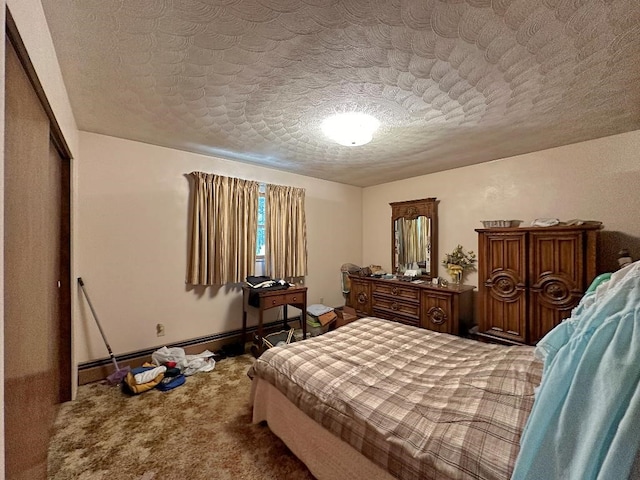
<point>321,300</point>
<point>160,330</point>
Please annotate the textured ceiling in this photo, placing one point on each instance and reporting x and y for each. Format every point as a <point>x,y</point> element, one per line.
<point>453,82</point>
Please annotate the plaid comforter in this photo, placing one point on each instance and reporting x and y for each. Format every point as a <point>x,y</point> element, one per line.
<point>421,404</point>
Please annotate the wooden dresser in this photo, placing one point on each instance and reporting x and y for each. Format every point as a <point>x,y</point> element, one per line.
<point>531,278</point>
<point>442,309</point>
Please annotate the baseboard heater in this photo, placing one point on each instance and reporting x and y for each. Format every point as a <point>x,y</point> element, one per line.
<point>97,370</point>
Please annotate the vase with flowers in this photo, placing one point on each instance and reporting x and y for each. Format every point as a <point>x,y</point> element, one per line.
<point>458,262</point>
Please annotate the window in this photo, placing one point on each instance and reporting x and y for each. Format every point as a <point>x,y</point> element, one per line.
<point>234,234</point>
<point>261,234</point>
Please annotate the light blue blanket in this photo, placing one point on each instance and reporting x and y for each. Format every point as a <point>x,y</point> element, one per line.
<point>585,422</point>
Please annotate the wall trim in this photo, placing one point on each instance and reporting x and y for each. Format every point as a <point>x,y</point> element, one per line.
<point>97,370</point>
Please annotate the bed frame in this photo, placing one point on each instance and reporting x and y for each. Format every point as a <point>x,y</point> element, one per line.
<point>326,456</point>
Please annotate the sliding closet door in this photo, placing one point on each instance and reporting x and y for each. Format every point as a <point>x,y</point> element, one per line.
<point>36,275</point>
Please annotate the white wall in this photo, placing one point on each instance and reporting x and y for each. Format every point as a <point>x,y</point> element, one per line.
<point>594,180</point>
<point>133,201</point>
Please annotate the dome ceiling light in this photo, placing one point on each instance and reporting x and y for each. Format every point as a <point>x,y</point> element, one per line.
<point>350,129</point>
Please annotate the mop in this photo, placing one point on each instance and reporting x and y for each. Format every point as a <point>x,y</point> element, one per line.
<point>118,376</point>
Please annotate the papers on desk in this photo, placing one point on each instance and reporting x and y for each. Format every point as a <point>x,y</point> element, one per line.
<point>269,283</point>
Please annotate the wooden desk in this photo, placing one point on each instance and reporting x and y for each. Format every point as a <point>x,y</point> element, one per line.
<point>294,296</point>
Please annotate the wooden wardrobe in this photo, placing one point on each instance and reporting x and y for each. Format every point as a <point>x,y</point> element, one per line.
<point>531,278</point>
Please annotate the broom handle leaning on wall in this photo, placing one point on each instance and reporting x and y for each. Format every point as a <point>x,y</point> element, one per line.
<point>95,317</point>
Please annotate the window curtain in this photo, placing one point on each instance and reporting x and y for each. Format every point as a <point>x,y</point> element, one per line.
<point>223,229</point>
<point>286,231</point>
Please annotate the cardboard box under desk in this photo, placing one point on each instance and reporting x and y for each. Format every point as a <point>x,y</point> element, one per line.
<point>326,318</point>
<point>345,315</point>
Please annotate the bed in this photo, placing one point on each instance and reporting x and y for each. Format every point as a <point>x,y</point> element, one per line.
<point>415,403</point>
<point>376,399</point>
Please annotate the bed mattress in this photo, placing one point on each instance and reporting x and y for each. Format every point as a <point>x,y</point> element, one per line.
<point>419,404</point>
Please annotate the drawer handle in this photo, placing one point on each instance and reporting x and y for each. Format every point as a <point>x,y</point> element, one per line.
<point>362,298</point>
<point>273,302</point>
<point>437,315</point>
<point>295,298</point>
<point>394,290</point>
<point>394,306</point>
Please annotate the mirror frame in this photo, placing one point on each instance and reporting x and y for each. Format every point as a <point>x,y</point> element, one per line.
<point>412,209</point>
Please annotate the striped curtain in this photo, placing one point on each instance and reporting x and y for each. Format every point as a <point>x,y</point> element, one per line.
<point>286,232</point>
<point>224,222</point>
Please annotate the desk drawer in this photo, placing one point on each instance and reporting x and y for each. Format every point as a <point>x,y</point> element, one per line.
<point>295,298</point>
<point>283,299</point>
<point>274,301</point>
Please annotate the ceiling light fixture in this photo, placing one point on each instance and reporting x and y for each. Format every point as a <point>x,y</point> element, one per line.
<point>350,129</point>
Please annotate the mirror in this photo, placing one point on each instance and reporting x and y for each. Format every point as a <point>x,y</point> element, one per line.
<point>414,236</point>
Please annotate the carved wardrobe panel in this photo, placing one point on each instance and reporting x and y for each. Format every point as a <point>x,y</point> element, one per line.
<point>360,295</point>
<point>531,278</point>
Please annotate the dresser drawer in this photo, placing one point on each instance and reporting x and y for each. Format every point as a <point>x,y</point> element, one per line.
<point>396,307</point>
<point>396,317</point>
<point>397,290</point>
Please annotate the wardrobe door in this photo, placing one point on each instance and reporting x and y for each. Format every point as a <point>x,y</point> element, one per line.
<point>36,282</point>
<point>503,281</point>
<point>556,278</point>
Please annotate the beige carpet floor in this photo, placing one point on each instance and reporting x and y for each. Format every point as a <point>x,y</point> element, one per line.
<point>200,430</point>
